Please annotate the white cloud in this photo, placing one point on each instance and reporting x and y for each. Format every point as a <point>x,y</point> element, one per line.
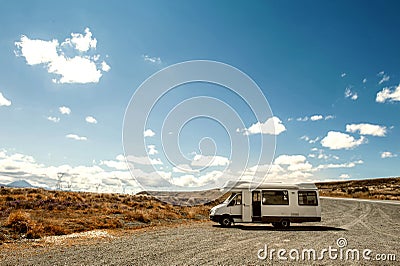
<point>53,119</point>
<point>75,137</point>
<point>302,119</point>
<point>75,70</point>
<point>37,51</point>
<point>155,60</point>
<point>387,154</point>
<point>272,126</point>
<point>184,169</point>
<point>149,133</point>
<point>341,165</point>
<point>384,77</point>
<point>91,120</point>
<point>79,66</point>
<point>143,160</point>
<point>64,110</point>
<point>367,129</point>
<point>82,42</point>
<point>387,94</point>
<point>82,178</point>
<point>311,141</point>
<point>364,81</point>
<point>152,149</point>
<point>337,140</point>
<point>4,101</point>
<point>344,176</point>
<point>316,117</point>
<point>118,164</point>
<point>207,161</point>
<point>105,67</point>
<point>290,159</point>
<point>348,93</point>
<point>343,75</point>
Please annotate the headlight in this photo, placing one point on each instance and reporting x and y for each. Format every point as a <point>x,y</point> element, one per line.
<point>212,211</point>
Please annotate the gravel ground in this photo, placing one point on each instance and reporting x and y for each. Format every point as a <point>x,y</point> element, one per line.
<point>364,225</point>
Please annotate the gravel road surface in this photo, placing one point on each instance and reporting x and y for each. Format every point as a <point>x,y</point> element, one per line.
<point>347,226</point>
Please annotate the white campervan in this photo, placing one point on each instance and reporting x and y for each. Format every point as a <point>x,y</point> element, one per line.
<point>276,203</point>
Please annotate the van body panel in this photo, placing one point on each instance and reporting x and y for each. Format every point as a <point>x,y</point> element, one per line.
<point>271,203</point>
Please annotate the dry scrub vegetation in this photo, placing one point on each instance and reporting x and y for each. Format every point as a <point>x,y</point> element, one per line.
<point>380,188</point>
<point>34,213</point>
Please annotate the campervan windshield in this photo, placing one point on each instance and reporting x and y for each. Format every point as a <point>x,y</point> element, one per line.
<point>230,198</point>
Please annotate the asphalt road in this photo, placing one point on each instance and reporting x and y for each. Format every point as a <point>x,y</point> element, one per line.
<point>371,229</point>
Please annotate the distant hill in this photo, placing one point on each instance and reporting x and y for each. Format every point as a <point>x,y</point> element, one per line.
<point>20,184</point>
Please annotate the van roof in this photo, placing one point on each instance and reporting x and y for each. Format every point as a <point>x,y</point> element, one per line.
<point>270,185</point>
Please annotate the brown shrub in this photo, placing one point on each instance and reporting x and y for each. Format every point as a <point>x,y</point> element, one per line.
<point>19,221</point>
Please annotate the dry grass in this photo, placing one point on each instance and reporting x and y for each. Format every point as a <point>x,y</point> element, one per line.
<point>380,188</point>
<point>34,213</point>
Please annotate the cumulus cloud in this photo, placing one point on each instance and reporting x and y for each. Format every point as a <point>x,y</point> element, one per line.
<point>72,61</point>
<point>4,101</point>
<point>364,81</point>
<point>152,149</point>
<point>337,140</point>
<point>149,133</point>
<point>143,160</point>
<point>16,166</point>
<point>154,60</point>
<point>53,119</point>
<point>105,67</point>
<point>343,75</point>
<point>272,126</point>
<point>64,110</point>
<point>75,137</point>
<point>387,154</point>
<point>316,117</point>
<point>82,42</point>
<point>207,161</point>
<point>388,94</point>
<point>367,129</point>
<point>118,164</point>
<point>91,120</point>
<point>348,93</point>
<point>344,176</point>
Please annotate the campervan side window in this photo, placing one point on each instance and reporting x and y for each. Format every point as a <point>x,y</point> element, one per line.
<point>275,197</point>
<point>237,200</point>
<point>308,198</point>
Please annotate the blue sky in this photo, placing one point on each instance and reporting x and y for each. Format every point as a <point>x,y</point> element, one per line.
<point>329,70</point>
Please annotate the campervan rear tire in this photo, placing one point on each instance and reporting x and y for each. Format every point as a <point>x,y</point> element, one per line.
<point>285,224</point>
<point>226,221</point>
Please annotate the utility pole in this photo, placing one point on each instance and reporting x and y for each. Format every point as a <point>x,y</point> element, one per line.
<point>59,176</point>
<point>97,187</point>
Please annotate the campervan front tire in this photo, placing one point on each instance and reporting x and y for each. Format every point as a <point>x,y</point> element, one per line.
<point>281,224</point>
<point>226,221</point>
